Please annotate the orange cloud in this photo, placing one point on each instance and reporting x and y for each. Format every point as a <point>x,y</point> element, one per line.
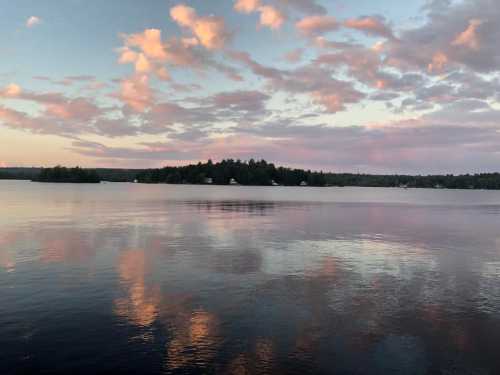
<point>271,17</point>
<point>11,90</point>
<point>247,6</point>
<point>439,60</point>
<point>142,64</point>
<point>313,25</point>
<point>209,30</point>
<point>149,42</point>
<point>469,37</point>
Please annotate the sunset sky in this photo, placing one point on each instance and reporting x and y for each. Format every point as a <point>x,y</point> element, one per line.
<point>361,86</point>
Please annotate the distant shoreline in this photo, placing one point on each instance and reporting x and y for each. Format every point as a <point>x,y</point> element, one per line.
<point>104,182</point>
<point>251,173</point>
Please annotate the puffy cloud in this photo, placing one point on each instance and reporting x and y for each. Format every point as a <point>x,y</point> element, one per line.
<point>33,21</point>
<point>136,93</point>
<point>362,63</point>
<point>469,37</point>
<point>270,16</point>
<point>209,30</point>
<point>12,90</point>
<point>313,80</point>
<point>142,64</point>
<point>371,25</point>
<point>314,25</point>
<point>247,6</point>
<point>149,42</point>
<point>150,55</point>
<point>456,35</point>
<point>438,63</point>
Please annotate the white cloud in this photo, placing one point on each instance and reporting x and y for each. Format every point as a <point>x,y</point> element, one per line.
<point>33,21</point>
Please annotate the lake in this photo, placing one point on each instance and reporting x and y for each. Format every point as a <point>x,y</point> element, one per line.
<point>173,279</point>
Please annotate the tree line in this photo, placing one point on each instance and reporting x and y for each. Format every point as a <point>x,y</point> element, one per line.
<point>241,172</point>
<point>264,173</point>
<point>68,175</point>
<point>250,172</point>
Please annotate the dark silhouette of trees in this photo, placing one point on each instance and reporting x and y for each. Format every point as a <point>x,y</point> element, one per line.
<point>251,172</point>
<point>244,173</point>
<point>68,175</point>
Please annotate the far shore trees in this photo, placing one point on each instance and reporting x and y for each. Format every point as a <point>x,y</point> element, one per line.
<point>68,175</point>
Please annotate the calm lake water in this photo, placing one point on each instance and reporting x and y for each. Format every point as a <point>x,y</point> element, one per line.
<point>242,280</point>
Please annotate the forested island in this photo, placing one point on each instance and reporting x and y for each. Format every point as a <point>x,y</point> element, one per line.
<point>263,173</point>
<point>252,172</point>
<point>68,175</point>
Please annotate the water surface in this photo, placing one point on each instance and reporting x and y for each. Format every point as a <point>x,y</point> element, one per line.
<point>232,280</point>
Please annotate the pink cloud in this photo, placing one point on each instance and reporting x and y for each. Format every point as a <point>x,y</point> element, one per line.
<point>294,56</point>
<point>371,25</point>
<point>136,93</point>
<point>209,30</point>
<point>314,25</point>
<point>79,108</point>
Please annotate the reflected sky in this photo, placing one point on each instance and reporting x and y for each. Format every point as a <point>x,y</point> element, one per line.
<point>127,282</point>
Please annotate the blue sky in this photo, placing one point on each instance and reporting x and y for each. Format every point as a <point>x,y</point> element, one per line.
<point>374,86</point>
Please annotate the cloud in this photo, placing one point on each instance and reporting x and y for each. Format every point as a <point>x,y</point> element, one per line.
<point>246,101</point>
<point>371,25</point>
<point>455,35</point>
<point>303,6</point>
<point>151,55</point>
<point>247,6</point>
<point>269,16</point>
<point>33,21</point>
<point>149,42</point>
<point>313,80</point>
<point>294,56</point>
<point>411,148</point>
<point>136,93</point>
<point>209,30</point>
<point>57,114</point>
<point>439,63</point>
<point>11,91</point>
<point>315,25</point>
<point>469,37</point>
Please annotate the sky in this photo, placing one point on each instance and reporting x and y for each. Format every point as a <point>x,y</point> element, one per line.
<point>348,86</point>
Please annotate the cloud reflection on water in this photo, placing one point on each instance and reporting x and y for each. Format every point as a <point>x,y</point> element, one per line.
<point>231,287</point>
